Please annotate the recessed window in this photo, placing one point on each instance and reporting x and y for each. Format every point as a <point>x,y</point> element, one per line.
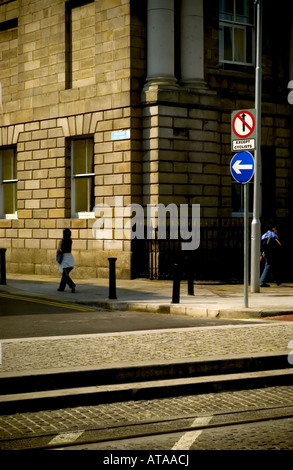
<point>8,182</point>
<point>82,174</point>
<point>236,33</point>
<point>9,60</point>
<point>80,23</point>
<point>238,199</point>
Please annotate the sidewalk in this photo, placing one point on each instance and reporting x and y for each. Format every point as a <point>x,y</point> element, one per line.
<point>209,299</point>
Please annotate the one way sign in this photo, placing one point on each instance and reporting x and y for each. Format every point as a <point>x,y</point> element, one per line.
<point>242,167</point>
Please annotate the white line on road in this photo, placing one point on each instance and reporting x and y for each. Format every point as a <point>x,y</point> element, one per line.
<point>186,441</point>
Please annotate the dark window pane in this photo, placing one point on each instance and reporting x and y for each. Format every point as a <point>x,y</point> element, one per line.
<point>249,45</point>
<point>79,157</point>
<point>8,164</point>
<point>9,198</point>
<point>83,156</point>
<point>244,11</point>
<point>84,194</point>
<point>90,156</point>
<point>239,43</point>
<point>228,51</point>
<point>227,9</point>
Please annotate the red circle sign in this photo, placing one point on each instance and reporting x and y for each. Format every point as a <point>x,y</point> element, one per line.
<point>243,124</point>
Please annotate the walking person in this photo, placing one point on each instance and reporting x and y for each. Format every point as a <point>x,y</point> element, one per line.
<point>271,254</point>
<point>66,264</point>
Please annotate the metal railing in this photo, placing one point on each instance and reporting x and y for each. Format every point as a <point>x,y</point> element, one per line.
<point>219,256</point>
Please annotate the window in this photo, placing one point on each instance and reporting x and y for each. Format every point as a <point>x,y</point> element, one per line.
<point>236,39</point>
<point>9,60</point>
<point>80,46</point>
<point>238,198</point>
<point>8,182</point>
<point>82,175</point>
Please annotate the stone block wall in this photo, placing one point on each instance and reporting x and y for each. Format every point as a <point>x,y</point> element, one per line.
<point>181,158</point>
<point>42,108</point>
<point>78,68</point>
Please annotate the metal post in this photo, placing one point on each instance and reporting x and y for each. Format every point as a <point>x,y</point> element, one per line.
<point>190,284</point>
<point>112,278</point>
<point>188,261</point>
<point>246,257</point>
<point>176,285</point>
<point>3,265</point>
<point>255,227</point>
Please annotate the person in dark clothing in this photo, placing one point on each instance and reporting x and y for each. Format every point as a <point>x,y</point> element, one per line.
<point>271,254</point>
<point>67,262</point>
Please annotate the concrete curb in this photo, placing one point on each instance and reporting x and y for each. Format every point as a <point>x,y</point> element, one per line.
<point>58,389</point>
<point>181,309</point>
<point>197,306</point>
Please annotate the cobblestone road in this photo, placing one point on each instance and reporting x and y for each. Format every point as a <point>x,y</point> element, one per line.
<point>273,435</point>
<point>127,413</point>
<point>140,347</point>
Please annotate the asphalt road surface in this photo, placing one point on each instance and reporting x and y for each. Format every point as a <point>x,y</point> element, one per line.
<point>26,317</point>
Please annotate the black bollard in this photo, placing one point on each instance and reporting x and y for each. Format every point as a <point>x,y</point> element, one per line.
<point>190,279</point>
<point>176,285</point>
<point>3,265</point>
<point>189,272</point>
<point>112,278</point>
<point>190,284</point>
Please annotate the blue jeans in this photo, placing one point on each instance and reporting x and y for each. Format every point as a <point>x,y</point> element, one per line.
<point>268,269</point>
<point>265,273</point>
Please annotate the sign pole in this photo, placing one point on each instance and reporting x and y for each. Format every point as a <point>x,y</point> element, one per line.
<point>242,169</point>
<point>255,226</point>
<point>246,256</point>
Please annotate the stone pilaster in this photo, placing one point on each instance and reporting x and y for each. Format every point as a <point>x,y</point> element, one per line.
<point>192,43</point>
<point>160,43</point>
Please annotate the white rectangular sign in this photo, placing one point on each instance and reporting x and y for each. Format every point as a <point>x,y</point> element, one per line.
<point>120,135</point>
<point>242,144</point>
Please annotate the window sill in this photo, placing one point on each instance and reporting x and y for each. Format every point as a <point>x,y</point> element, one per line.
<point>10,216</point>
<point>84,215</point>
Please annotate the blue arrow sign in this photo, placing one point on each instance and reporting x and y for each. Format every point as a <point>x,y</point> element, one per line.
<point>242,167</point>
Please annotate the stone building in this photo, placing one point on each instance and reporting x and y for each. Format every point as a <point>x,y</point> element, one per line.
<point>132,99</point>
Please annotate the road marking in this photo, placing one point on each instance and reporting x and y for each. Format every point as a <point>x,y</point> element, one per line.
<point>186,441</point>
<point>47,302</point>
<point>65,438</point>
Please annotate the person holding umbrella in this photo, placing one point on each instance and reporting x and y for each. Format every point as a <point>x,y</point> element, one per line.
<point>270,252</point>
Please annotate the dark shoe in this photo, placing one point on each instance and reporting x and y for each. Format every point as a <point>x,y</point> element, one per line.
<point>61,290</point>
<point>265,285</point>
<point>73,290</point>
